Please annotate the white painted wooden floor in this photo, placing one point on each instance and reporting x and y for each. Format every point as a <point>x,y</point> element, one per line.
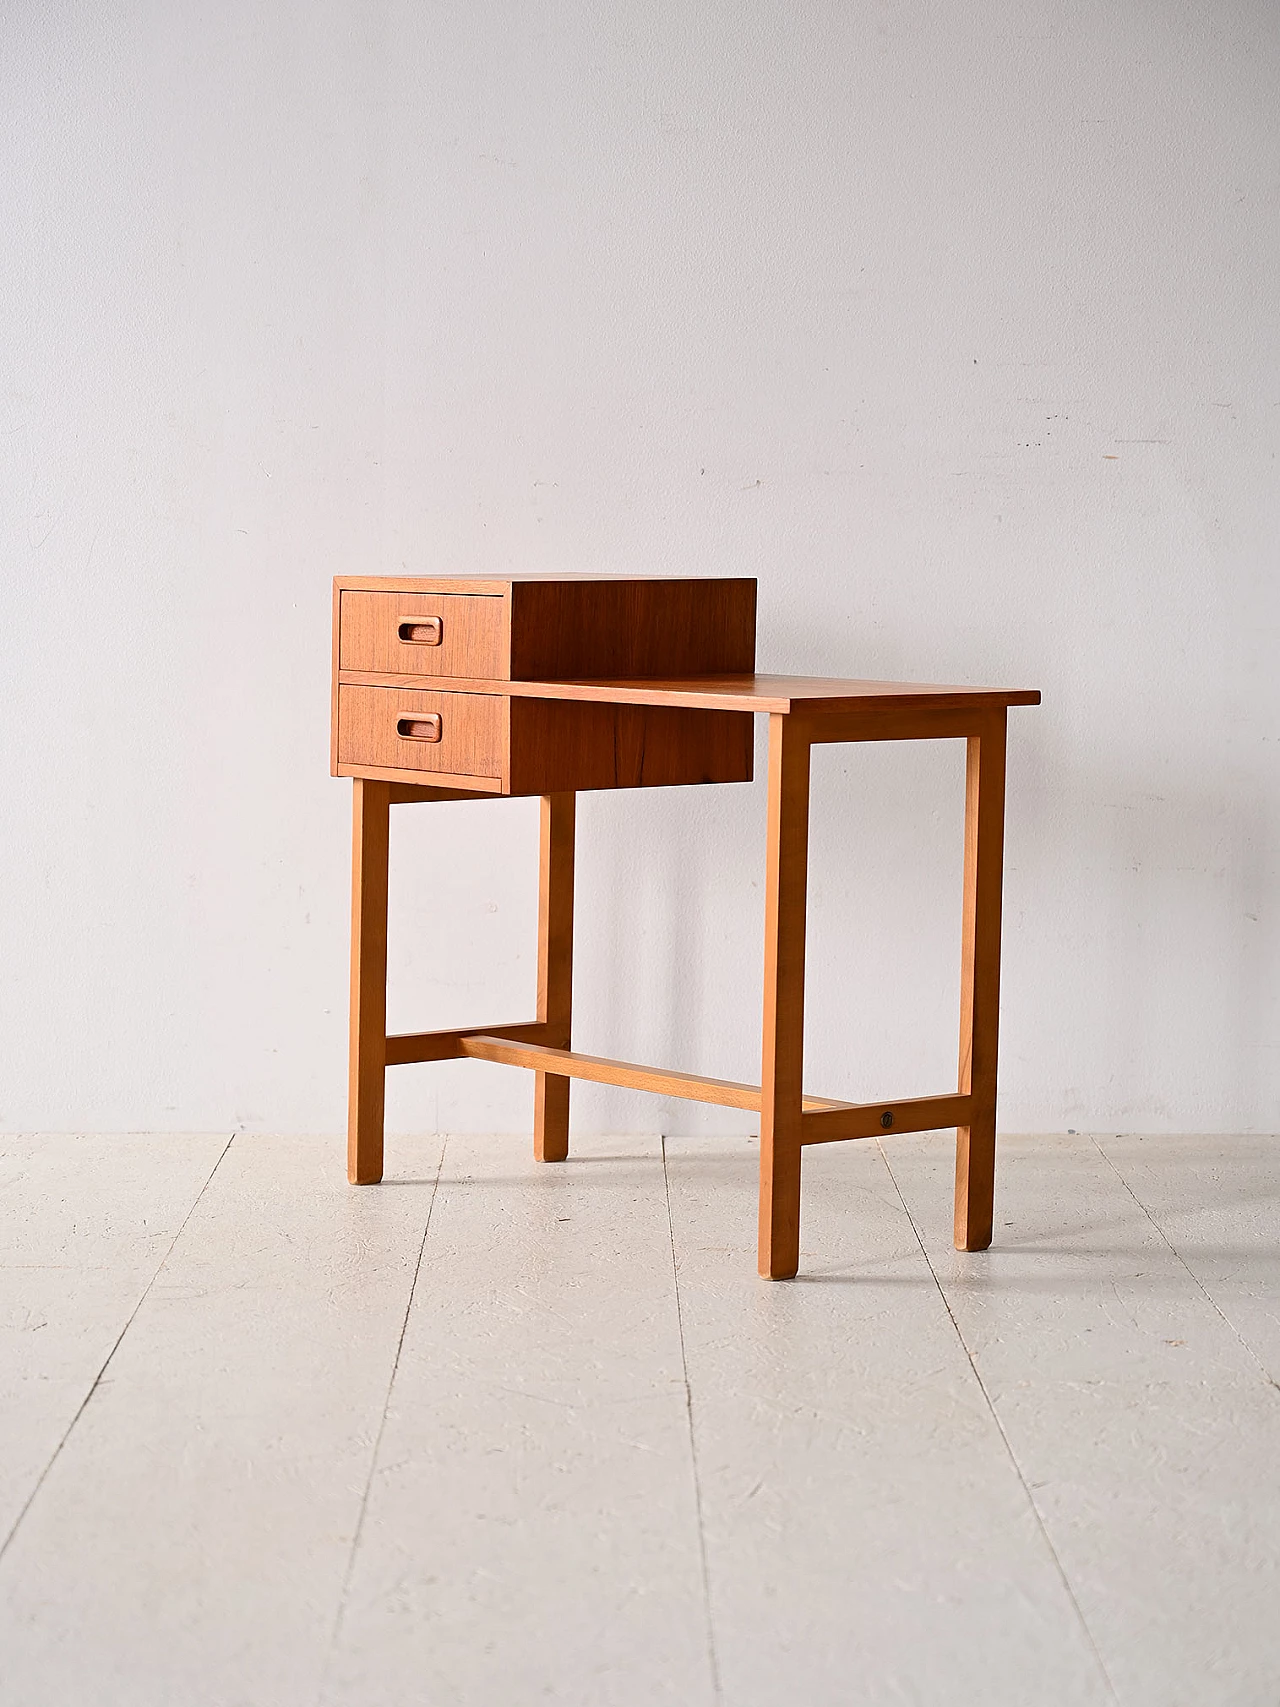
<point>494,1433</point>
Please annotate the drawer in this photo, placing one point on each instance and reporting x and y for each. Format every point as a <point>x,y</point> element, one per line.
<point>411,729</point>
<point>425,634</point>
<point>533,745</point>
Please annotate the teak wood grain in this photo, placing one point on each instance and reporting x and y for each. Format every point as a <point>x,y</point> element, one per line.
<point>549,627</point>
<point>876,1119</point>
<point>366,1080</point>
<point>474,633</point>
<point>824,1120</point>
<point>566,747</point>
<point>820,696</point>
<point>449,785</point>
<point>980,982</point>
<point>567,628</point>
<point>662,1081</point>
<point>465,688</point>
<point>537,746</point>
<point>473,740</point>
<point>407,1047</point>
<point>782,1050</point>
<point>555,970</point>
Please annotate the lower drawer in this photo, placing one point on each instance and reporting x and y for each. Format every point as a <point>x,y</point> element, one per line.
<point>416,729</point>
<point>526,745</point>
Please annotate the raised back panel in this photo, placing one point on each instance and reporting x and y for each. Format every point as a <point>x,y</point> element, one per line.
<point>577,630</point>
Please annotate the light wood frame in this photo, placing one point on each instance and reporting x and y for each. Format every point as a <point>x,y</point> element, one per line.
<point>789,1120</point>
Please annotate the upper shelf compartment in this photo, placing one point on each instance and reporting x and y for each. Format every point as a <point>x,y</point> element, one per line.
<point>546,628</point>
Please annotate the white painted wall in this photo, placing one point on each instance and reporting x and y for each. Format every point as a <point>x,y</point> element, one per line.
<point>955,323</point>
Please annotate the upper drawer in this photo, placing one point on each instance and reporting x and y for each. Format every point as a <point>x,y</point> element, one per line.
<point>425,634</point>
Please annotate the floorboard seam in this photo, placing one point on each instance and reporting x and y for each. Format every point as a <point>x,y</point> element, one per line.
<point>1008,1444</point>
<point>97,1380</point>
<point>693,1448</point>
<point>377,1439</point>
<point>1190,1272</point>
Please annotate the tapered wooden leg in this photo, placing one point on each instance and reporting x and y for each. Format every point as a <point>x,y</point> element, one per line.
<point>555,971</point>
<point>782,1053</point>
<point>371,824</point>
<point>980,982</point>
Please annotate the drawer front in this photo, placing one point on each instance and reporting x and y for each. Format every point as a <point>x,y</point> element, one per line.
<point>425,634</point>
<point>411,729</point>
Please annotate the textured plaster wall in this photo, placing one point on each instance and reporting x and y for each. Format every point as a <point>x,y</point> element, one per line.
<point>955,323</point>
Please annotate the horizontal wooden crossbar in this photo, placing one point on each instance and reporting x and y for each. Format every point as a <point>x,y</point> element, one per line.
<point>410,1046</point>
<point>407,793</point>
<point>822,1122</point>
<point>868,1119</point>
<point>570,1065</point>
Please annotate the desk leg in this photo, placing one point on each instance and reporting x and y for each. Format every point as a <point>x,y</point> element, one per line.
<point>782,1053</point>
<point>366,1081</point>
<point>555,971</point>
<point>980,982</point>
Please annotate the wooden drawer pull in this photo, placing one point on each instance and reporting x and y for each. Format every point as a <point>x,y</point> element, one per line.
<point>428,632</point>
<point>420,728</point>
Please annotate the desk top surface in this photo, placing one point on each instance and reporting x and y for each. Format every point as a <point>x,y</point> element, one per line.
<point>812,695</point>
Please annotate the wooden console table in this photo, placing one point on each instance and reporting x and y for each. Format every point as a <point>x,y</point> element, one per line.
<point>449,688</point>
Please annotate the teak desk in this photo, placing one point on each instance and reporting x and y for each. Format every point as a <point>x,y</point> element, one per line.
<point>448,688</point>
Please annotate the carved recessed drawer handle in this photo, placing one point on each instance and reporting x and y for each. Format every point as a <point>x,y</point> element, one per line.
<point>427,632</point>
<point>420,728</point>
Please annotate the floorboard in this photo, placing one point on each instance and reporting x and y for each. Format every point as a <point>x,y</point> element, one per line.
<point>191,1541</point>
<point>1146,1430</point>
<point>869,1540</point>
<point>1217,1202</point>
<point>540,1434</point>
<point>87,1222</point>
<point>532,1531</point>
